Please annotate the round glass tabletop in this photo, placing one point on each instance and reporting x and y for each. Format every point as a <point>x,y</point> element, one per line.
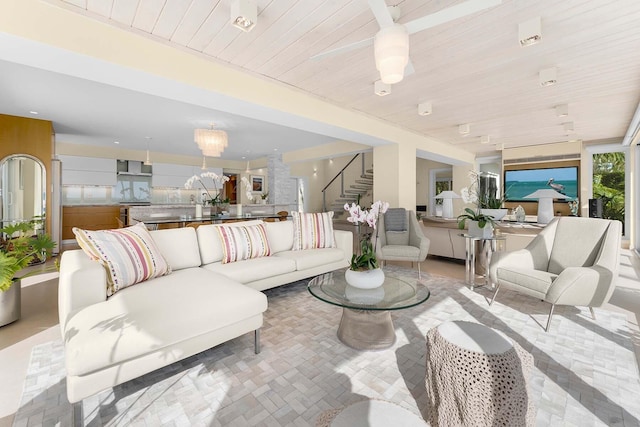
<point>395,293</point>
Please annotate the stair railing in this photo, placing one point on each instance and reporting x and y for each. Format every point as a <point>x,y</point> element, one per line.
<point>341,175</point>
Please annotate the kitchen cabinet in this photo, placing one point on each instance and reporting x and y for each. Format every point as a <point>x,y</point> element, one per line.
<point>172,175</point>
<point>88,218</point>
<point>78,170</point>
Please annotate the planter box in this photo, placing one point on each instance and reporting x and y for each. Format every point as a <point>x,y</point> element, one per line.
<point>476,231</point>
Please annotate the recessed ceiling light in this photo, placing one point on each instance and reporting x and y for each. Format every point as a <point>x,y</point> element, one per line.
<point>244,14</point>
<point>33,112</point>
<point>485,139</point>
<point>424,109</point>
<point>244,157</point>
<point>275,149</point>
<point>548,76</point>
<point>116,142</point>
<point>568,128</point>
<point>530,32</point>
<point>464,129</point>
<point>380,88</point>
<point>562,110</point>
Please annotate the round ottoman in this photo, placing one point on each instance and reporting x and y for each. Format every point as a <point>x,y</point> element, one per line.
<point>370,413</point>
<point>476,376</point>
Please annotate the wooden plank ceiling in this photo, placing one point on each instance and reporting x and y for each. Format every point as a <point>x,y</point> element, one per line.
<point>472,70</point>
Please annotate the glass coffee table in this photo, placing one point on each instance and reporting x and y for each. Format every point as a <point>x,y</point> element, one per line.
<point>366,313</point>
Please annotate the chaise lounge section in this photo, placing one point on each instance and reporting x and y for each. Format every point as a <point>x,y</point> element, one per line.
<point>202,303</point>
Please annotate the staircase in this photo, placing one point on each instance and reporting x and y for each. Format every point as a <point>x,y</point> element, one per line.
<point>353,192</point>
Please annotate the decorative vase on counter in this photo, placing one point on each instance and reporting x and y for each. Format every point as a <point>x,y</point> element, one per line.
<point>519,214</point>
<point>496,214</point>
<point>485,232</point>
<point>365,279</point>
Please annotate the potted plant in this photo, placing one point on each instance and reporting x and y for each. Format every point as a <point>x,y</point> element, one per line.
<point>491,206</point>
<point>477,223</point>
<point>264,197</point>
<point>364,271</point>
<point>20,246</point>
<point>216,201</point>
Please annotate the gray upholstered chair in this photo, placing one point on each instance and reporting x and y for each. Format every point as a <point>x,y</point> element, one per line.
<point>573,261</point>
<point>408,245</point>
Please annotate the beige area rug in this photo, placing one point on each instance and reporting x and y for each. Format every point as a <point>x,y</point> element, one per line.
<point>585,372</point>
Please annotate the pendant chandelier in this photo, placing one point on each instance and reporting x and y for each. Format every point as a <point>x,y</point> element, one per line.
<point>210,141</point>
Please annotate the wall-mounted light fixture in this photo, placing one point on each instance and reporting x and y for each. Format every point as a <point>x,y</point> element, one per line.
<point>244,14</point>
<point>147,161</point>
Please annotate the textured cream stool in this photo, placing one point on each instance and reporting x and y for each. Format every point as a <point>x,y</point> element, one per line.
<point>476,376</point>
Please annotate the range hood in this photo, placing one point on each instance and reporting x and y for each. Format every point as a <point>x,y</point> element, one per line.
<point>133,167</point>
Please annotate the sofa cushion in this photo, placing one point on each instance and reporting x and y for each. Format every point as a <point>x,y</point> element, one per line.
<point>536,280</point>
<point>129,255</point>
<point>313,257</point>
<point>251,270</point>
<point>154,315</point>
<point>179,246</point>
<point>209,240</point>
<point>240,243</point>
<point>280,235</point>
<point>312,230</point>
<point>390,251</point>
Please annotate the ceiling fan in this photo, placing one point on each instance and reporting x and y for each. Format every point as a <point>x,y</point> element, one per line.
<point>391,43</point>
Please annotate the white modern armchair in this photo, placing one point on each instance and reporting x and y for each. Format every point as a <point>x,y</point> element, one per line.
<point>573,261</point>
<point>396,244</point>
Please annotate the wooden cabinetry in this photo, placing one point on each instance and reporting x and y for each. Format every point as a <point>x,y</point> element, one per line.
<point>21,135</point>
<point>88,218</point>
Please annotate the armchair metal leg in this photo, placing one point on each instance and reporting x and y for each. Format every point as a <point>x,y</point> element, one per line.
<point>593,313</point>
<point>419,274</point>
<point>77,417</point>
<point>257,341</point>
<point>550,315</point>
<point>494,294</point>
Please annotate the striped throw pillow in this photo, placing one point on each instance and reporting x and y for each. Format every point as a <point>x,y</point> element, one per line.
<point>129,254</point>
<point>312,230</point>
<point>243,242</point>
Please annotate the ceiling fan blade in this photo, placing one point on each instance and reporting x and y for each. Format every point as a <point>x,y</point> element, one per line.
<point>449,14</point>
<point>381,12</point>
<point>343,49</point>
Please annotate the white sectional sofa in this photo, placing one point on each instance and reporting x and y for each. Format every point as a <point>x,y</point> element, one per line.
<point>201,304</point>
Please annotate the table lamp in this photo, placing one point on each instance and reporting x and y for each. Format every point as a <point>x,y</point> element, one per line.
<point>545,203</point>
<point>447,203</point>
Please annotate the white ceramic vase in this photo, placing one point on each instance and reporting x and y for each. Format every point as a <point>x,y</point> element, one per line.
<point>366,279</point>
<point>364,296</point>
<point>496,214</point>
<point>484,233</point>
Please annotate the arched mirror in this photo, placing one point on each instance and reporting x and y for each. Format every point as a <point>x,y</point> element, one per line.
<point>22,189</point>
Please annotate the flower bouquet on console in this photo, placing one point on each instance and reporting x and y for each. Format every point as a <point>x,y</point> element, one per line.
<point>364,271</point>
<point>216,201</point>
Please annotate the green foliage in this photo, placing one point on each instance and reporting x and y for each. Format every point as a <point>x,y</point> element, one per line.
<point>608,184</point>
<point>366,260</point>
<point>20,247</point>
<point>474,216</point>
